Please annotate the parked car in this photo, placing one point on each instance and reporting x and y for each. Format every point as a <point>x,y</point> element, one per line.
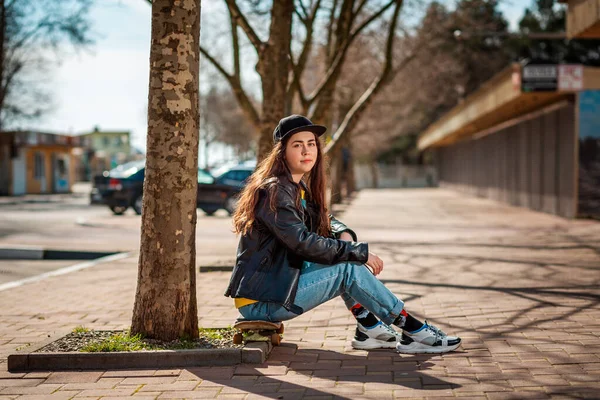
<point>121,188</point>
<point>235,176</point>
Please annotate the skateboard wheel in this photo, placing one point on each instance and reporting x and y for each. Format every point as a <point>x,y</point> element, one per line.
<point>275,339</point>
<point>237,338</point>
<point>280,330</point>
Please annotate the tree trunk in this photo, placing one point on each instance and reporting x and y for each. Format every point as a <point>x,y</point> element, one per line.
<point>374,173</point>
<point>337,156</point>
<point>273,67</point>
<point>351,179</point>
<point>165,303</point>
<point>336,176</point>
<point>323,109</point>
<point>350,174</point>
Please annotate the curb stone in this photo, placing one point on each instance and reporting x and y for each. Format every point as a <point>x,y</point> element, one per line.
<point>28,359</point>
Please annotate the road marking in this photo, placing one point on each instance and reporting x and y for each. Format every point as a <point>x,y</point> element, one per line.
<point>65,270</point>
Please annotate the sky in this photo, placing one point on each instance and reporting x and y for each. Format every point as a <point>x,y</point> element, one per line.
<point>107,85</point>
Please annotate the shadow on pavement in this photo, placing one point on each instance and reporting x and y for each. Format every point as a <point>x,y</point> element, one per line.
<point>294,373</point>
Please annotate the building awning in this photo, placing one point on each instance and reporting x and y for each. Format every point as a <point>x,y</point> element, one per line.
<point>583,18</point>
<point>500,99</point>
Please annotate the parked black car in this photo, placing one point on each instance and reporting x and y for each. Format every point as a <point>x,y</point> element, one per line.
<point>236,175</point>
<point>121,188</point>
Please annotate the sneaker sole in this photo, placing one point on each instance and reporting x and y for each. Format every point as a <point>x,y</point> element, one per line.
<point>371,344</point>
<point>419,348</point>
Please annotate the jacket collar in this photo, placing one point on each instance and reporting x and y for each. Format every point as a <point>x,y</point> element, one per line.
<point>303,186</point>
<point>288,175</point>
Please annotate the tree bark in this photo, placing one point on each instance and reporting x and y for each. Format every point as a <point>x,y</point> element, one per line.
<point>273,68</point>
<point>165,303</point>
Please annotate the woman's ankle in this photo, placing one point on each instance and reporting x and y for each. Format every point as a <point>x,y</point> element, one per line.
<point>407,322</point>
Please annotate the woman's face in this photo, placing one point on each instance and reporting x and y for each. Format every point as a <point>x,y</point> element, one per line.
<point>301,152</point>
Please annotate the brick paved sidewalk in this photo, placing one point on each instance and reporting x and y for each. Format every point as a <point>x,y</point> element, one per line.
<point>521,288</point>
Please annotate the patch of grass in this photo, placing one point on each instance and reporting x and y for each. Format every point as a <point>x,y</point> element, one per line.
<point>124,341</point>
<point>81,329</point>
<point>118,342</point>
<point>216,333</point>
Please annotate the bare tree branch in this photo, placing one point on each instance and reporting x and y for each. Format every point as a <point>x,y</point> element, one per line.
<point>235,46</point>
<point>244,24</point>
<point>367,97</point>
<point>300,16</point>
<point>298,68</point>
<point>234,80</point>
<point>215,63</point>
<point>245,103</point>
<point>360,7</point>
<point>295,86</point>
<point>330,29</point>
<point>304,10</point>
<point>335,67</point>
<point>8,78</point>
<point>25,28</point>
<point>372,18</point>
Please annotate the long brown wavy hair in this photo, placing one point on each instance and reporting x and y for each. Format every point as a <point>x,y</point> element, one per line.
<point>274,166</point>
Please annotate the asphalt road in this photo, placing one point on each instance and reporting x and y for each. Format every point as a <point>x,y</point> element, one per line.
<point>69,222</point>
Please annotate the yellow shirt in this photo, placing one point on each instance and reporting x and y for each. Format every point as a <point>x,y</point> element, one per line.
<point>242,301</point>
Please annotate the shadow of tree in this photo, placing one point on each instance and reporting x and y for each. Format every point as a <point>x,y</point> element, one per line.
<point>522,293</point>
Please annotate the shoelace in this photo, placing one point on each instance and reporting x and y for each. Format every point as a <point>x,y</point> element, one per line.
<point>439,334</point>
<point>391,330</point>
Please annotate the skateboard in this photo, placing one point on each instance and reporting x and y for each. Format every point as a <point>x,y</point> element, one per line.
<point>264,329</point>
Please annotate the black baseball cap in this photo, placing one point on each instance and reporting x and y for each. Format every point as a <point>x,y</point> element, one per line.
<point>295,123</point>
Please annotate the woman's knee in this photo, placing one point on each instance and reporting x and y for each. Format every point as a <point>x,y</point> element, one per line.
<point>356,270</point>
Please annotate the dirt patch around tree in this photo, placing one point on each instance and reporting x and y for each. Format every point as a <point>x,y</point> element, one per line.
<point>84,340</point>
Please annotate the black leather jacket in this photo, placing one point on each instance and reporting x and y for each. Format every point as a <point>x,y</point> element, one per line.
<point>270,256</point>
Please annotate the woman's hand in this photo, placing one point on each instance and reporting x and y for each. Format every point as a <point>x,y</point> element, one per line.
<point>375,263</point>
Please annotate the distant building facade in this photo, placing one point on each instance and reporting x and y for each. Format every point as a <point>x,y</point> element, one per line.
<point>106,150</point>
<point>529,137</point>
<point>38,162</point>
<point>583,18</point>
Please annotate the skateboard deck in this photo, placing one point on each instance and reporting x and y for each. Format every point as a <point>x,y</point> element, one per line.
<point>255,331</point>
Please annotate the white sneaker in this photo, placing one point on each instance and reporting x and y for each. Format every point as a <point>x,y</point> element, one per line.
<point>381,336</point>
<point>428,339</point>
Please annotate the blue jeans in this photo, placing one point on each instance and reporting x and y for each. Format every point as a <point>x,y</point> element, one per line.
<point>320,283</point>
